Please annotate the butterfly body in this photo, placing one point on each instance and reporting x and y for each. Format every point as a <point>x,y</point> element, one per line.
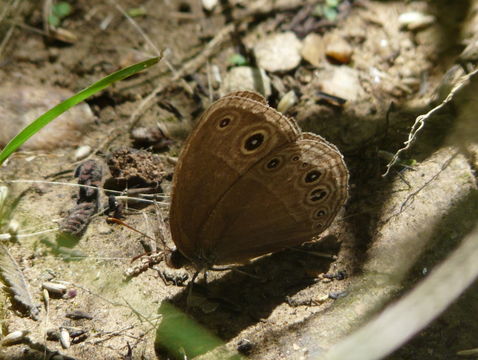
<point>248,183</point>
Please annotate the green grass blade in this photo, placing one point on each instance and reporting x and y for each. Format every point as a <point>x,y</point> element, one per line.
<point>59,109</point>
<point>182,337</point>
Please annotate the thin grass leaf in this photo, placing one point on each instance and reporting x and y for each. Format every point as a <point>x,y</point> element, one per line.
<point>14,279</point>
<point>180,336</point>
<point>59,109</point>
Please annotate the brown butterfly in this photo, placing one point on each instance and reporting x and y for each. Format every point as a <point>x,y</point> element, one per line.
<point>249,182</point>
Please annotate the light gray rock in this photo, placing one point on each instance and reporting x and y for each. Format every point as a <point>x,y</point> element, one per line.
<point>278,52</point>
<point>341,81</point>
<point>246,78</point>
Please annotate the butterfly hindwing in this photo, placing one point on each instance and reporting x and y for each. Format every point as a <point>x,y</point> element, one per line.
<point>285,199</point>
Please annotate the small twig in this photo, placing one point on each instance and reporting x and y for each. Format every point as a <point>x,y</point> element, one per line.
<point>6,38</point>
<point>7,8</point>
<point>188,68</point>
<point>420,120</point>
<point>13,4</point>
<point>108,191</point>
<point>149,41</point>
<point>136,26</point>
<point>45,14</point>
<point>146,201</point>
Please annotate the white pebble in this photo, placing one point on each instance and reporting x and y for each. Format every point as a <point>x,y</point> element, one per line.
<point>279,52</point>
<point>414,20</point>
<point>287,101</point>
<point>216,78</point>
<point>82,152</point>
<point>313,49</point>
<point>3,194</point>
<point>54,288</point>
<point>13,227</point>
<point>65,339</point>
<point>14,337</point>
<point>337,48</point>
<point>209,4</point>
<point>246,78</point>
<point>341,81</point>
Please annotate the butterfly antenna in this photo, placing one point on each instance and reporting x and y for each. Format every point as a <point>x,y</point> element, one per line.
<point>121,222</point>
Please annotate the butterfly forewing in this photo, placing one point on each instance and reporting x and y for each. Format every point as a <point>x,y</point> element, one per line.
<point>234,134</point>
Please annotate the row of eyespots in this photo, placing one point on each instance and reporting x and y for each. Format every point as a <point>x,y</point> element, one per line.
<point>311,177</point>
<point>320,214</point>
<point>276,162</point>
<point>317,194</point>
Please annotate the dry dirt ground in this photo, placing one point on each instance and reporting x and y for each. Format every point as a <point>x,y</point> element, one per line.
<point>394,74</point>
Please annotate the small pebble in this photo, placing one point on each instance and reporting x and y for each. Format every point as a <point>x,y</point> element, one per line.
<point>75,332</point>
<point>209,4</point>
<point>313,49</point>
<point>54,288</point>
<point>46,298</point>
<point>341,81</point>
<point>337,295</point>
<point>415,20</point>
<point>78,314</point>
<point>71,294</point>
<point>216,78</point>
<point>14,337</point>
<point>247,78</point>
<point>3,194</point>
<point>82,152</point>
<point>287,101</point>
<point>13,227</point>
<point>65,339</point>
<point>278,52</point>
<point>337,48</point>
<point>245,346</point>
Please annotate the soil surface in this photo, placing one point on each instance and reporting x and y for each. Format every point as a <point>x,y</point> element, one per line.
<point>360,82</point>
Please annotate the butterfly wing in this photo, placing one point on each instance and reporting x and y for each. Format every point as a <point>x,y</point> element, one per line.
<point>230,137</point>
<point>285,199</point>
